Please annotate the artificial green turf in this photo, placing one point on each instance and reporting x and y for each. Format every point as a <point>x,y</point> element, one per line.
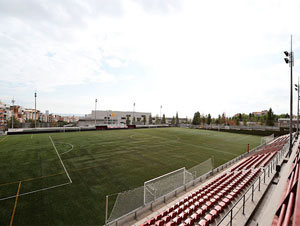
<point>101,163</point>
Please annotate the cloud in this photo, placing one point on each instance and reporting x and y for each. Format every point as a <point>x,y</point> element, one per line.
<point>189,56</point>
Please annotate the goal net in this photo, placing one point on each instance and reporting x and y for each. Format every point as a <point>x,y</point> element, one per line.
<point>267,139</point>
<point>165,184</point>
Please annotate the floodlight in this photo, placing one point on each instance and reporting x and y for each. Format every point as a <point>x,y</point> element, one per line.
<point>286,60</point>
<point>286,53</point>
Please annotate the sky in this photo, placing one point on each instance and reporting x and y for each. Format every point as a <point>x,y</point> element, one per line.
<point>186,56</point>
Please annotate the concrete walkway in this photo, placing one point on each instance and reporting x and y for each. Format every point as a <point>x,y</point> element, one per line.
<point>265,212</point>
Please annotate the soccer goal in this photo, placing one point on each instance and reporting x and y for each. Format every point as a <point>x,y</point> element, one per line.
<point>267,139</point>
<point>165,184</point>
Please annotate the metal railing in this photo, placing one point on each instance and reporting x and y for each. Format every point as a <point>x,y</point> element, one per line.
<point>254,186</point>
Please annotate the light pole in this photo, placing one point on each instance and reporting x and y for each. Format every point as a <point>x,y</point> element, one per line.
<point>13,112</point>
<point>35,95</point>
<point>297,89</point>
<point>289,59</point>
<point>95,111</point>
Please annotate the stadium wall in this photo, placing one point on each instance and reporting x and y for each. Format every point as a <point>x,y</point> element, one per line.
<point>280,132</point>
<point>78,129</point>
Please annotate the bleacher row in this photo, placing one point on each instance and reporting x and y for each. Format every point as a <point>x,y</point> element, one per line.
<point>262,157</point>
<point>204,205</point>
<point>288,212</point>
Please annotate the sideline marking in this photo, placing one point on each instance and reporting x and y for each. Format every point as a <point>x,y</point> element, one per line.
<point>14,211</point>
<point>3,139</point>
<point>61,160</point>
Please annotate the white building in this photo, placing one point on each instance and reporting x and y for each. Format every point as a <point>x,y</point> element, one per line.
<point>114,117</point>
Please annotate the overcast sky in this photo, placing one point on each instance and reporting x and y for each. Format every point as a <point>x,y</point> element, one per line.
<point>208,56</point>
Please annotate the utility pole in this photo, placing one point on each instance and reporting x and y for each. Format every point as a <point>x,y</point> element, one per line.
<point>35,109</point>
<point>13,113</point>
<point>95,111</point>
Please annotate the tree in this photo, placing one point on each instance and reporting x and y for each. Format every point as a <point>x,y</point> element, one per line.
<point>163,121</point>
<point>17,123</point>
<point>208,119</point>
<point>157,120</point>
<point>173,121</point>
<point>150,119</point>
<point>237,121</point>
<point>177,119</point>
<point>203,119</point>
<point>240,117</point>
<point>144,120</point>
<point>196,119</point>
<point>133,121</point>
<point>223,118</point>
<point>270,118</point>
<point>127,120</point>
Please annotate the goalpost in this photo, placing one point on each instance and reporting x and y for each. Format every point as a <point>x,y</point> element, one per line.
<point>165,184</point>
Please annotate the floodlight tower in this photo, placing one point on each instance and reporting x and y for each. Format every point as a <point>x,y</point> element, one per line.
<point>297,89</point>
<point>95,111</point>
<point>289,59</point>
<point>35,95</point>
<point>13,112</point>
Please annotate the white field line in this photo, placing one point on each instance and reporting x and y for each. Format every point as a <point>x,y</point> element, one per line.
<point>61,160</point>
<point>31,192</point>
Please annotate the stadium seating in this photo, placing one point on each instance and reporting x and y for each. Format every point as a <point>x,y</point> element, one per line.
<point>204,205</point>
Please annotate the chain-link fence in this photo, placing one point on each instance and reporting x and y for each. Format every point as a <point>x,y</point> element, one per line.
<point>126,202</point>
<point>202,168</point>
<point>156,188</point>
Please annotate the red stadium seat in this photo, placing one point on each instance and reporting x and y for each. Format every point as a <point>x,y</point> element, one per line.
<point>214,213</point>
<point>200,212</point>
<point>151,221</point>
<point>177,220</point>
<point>203,222</point>
<point>159,223</point>
<point>209,218</point>
<point>195,217</point>
<point>183,215</point>
<point>166,219</point>
<point>189,221</point>
<point>170,224</point>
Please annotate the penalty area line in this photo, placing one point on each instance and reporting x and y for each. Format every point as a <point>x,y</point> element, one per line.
<point>61,160</point>
<point>35,191</point>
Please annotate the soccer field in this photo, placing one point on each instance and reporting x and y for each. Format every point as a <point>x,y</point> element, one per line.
<point>97,163</point>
